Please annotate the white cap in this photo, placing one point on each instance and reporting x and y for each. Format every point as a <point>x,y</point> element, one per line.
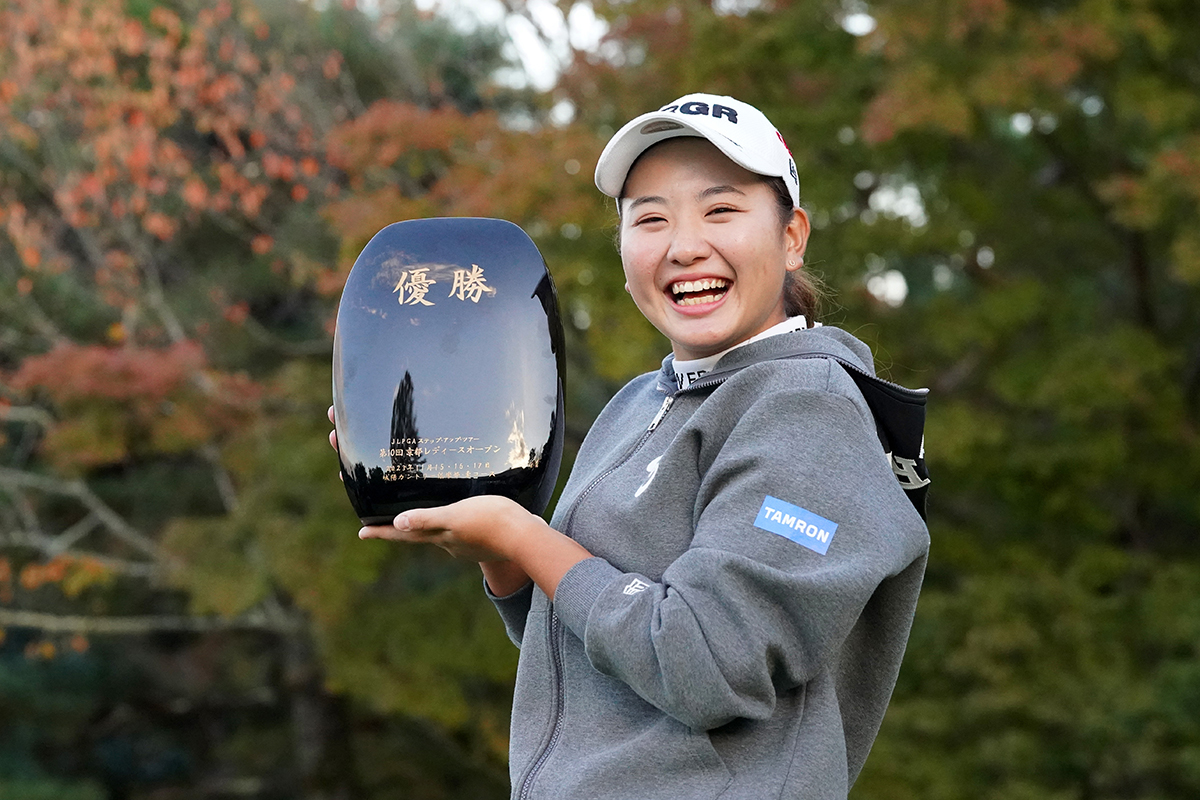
<point>739,130</point>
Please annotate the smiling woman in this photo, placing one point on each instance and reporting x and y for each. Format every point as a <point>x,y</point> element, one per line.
<point>721,601</point>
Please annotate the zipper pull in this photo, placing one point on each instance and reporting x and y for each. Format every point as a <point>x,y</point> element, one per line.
<point>662,412</point>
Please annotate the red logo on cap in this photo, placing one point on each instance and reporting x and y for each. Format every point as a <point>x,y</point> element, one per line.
<point>785,147</point>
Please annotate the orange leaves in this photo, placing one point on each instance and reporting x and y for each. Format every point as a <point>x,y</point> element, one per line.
<point>403,162</point>
<point>75,373</point>
<point>71,574</point>
<point>27,235</point>
<point>916,98</point>
<point>261,244</point>
<point>166,20</point>
<point>160,225</point>
<point>116,402</point>
<point>332,66</point>
<point>139,158</point>
<point>237,313</point>
<point>155,125</point>
<point>195,193</point>
<point>1182,163</point>
<point>278,167</point>
<point>390,130</point>
<point>31,256</point>
<point>979,55</point>
<point>1140,201</point>
<point>132,38</point>
<point>252,198</point>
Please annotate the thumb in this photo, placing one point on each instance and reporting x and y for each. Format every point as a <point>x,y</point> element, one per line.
<point>418,519</point>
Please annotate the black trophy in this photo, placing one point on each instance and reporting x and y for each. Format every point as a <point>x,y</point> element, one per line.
<point>447,369</point>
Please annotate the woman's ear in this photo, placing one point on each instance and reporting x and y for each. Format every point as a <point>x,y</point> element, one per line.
<point>795,237</point>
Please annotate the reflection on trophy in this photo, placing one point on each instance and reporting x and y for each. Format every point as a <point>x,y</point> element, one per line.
<point>447,369</point>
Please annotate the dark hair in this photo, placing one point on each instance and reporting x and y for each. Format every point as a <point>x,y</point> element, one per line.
<point>801,294</point>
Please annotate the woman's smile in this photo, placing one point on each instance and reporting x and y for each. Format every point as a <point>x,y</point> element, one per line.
<point>702,292</point>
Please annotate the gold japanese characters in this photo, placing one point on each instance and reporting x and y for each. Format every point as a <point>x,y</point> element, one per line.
<point>415,283</point>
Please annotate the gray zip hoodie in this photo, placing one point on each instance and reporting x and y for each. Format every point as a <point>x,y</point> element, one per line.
<point>739,630</point>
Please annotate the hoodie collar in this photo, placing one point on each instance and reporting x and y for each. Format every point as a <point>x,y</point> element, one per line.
<point>834,341</point>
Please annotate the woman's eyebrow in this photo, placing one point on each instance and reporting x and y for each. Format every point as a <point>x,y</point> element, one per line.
<point>644,199</point>
<point>715,190</point>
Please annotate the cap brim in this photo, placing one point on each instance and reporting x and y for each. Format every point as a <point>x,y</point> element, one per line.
<point>630,142</point>
<point>636,136</point>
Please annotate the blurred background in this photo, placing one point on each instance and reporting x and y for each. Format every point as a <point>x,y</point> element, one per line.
<point>1004,200</point>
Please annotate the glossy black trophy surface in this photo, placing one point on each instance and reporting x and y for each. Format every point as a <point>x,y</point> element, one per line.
<point>447,369</point>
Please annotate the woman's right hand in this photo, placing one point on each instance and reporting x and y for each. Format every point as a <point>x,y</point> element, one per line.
<point>333,441</point>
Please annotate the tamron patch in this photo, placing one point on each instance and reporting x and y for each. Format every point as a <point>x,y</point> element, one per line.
<point>798,524</point>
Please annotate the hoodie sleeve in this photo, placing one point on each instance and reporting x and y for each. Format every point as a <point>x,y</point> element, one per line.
<point>799,522</point>
<point>513,609</point>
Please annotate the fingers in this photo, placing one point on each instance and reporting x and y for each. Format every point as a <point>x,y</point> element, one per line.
<point>411,526</point>
<point>333,441</point>
<point>420,519</point>
<point>382,532</point>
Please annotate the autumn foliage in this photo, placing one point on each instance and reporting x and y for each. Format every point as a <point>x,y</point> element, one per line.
<point>129,134</point>
<point>118,403</point>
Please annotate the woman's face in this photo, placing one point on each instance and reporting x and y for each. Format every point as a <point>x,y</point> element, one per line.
<point>702,246</point>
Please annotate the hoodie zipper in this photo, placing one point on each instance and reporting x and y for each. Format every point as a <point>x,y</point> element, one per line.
<point>556,624</point>
<point>668,401</point>
<point>559,692</point>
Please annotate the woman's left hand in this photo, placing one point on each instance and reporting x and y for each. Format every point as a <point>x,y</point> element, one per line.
<point>490,529</point>
<point>483,528</point>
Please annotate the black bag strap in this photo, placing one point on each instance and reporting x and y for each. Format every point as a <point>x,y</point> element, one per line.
<point>899,422</point>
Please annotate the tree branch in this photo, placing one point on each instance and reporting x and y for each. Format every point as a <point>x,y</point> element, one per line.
<point>46,545</point>
<point>30,414</point>
<point>65,540</point>
<point>137,625</point>
<point>37,319</point>
<point>221,477</point>
<point>113,521</point>
<point>263,336</point>
<point>1131,240</point>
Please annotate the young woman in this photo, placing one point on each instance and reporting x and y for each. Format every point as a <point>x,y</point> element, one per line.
<point>720,604</point>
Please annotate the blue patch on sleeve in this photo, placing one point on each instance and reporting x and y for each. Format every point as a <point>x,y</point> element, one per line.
<point>798,524</point>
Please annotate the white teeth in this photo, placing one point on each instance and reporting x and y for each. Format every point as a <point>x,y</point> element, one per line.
<point>698,286</point>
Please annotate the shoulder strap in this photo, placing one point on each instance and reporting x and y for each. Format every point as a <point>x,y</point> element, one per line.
<point>899,422</point>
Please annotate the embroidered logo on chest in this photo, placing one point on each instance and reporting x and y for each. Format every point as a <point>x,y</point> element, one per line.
<point>798,524</point>
<point>652,468</point>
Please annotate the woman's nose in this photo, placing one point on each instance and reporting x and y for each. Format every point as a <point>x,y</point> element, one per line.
<point>688,244</point>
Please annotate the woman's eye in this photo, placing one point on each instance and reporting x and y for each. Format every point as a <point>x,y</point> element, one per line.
<point>722,210</point>
<point>645,220</point>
